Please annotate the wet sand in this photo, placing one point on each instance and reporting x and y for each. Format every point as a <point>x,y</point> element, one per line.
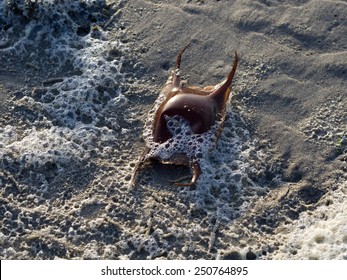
<point>273,188</point>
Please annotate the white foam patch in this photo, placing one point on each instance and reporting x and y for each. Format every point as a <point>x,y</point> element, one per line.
<point>183,140</point>
<point>80,98</point>
<point>8,134</point>
<point>53,150</point>
<point>54,144</point>
<point>321,234</point>
<point>74,119</point>
<point>225,165</point>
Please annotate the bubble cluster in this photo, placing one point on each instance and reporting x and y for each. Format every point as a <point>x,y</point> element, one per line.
<point>68,132</point>
<point>322,234</point>
<point>328,124</point>
<point>183,141</point>
<point>69,115</point>
<point>81,98</point>
<point>231,166</point>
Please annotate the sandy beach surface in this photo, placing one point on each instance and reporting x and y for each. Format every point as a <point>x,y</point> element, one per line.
<point>77,82</point>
